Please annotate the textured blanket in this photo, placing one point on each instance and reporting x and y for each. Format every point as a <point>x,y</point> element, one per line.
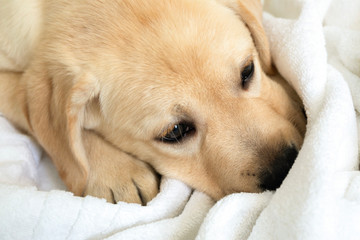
<point>316,47</point>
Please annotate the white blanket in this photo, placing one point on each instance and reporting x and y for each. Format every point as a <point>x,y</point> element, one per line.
<point>316,47</point>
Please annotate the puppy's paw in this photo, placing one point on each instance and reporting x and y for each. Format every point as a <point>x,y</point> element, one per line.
<point>117,176</point>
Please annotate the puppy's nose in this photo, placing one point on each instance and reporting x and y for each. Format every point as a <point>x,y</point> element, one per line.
<point>272,178</point>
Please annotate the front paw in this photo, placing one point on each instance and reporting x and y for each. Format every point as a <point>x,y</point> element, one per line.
<point>117,176</point>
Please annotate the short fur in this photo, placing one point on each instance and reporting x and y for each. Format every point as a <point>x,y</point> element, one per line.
<point>99,81</point>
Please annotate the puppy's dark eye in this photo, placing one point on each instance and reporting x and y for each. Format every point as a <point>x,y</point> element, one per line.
<point>246,75</point>
<point>177,132</point>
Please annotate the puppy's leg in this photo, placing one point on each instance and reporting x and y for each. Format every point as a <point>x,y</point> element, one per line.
<point>115,175</point>
<point>13,99</point>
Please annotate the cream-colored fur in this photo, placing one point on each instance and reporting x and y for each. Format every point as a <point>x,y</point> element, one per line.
<point>100,83</point>
<point>20,28</point>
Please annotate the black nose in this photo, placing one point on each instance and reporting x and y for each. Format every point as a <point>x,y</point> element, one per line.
<point>271,178</point>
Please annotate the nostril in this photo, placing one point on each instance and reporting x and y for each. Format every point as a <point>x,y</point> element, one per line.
<point>272,178</point>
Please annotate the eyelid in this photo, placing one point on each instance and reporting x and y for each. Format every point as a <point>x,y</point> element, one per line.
<point>167,130</point>
<point>246,62</point>
<point>249,70</point>
<point>178,133</point>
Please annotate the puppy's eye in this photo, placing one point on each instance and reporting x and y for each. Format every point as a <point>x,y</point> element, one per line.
<point>177,132</point>
<point>246,75</point>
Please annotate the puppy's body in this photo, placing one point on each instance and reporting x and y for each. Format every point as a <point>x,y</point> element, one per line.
<point>181,85</point>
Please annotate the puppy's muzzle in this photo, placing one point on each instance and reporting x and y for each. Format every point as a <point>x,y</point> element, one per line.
<point>273,176</point>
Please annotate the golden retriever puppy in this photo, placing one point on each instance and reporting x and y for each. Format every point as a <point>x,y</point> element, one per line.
<point>117,91</point>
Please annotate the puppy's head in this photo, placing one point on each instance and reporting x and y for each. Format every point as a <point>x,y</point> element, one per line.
<point>185,86</point>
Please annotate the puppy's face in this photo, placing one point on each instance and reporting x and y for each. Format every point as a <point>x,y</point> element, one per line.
<point>183,88</point>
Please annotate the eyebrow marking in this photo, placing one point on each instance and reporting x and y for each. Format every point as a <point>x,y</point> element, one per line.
<point>178,108</point>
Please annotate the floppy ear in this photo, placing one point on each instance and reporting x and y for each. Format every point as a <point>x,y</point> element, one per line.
<point>250,12</point>
<point>83,93</point>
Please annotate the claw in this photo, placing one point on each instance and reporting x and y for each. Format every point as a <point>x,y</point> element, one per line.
<point>112,196</point>
<point>143,202</point>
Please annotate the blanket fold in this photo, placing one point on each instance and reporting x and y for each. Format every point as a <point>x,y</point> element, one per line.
<point>315,46</point>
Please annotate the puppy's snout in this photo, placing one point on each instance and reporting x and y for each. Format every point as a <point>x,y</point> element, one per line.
<point>271,178</point>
